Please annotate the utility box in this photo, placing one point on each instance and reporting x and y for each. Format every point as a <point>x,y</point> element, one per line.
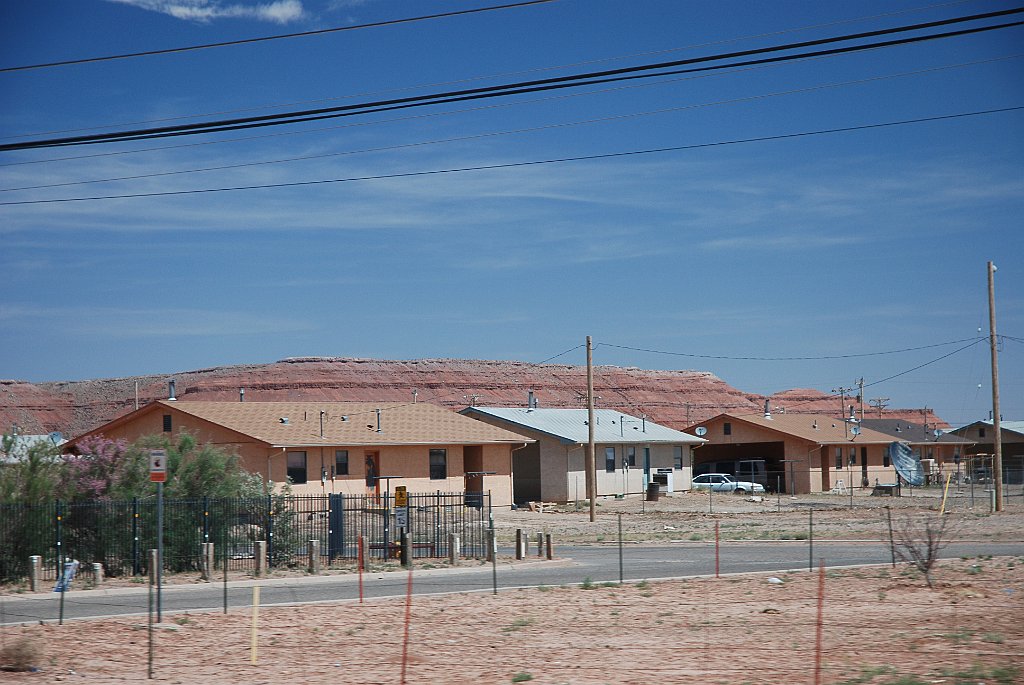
<point>663,477</point>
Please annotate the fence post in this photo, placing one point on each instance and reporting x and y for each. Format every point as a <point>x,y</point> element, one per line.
<point>549,548</point>
<point>261,556</point>
<point>270,528</point>
<point>540,544</point>
<point>520,544</point>
<point>136,551</point>
<point>35,565</point>
<point>453,549</point>
<point>313,549</point>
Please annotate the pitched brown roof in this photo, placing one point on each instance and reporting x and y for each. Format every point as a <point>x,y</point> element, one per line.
<point>821,429</point>
<point>347,423</point>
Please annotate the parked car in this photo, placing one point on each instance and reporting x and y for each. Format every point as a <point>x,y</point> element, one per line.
<point>723,482</point>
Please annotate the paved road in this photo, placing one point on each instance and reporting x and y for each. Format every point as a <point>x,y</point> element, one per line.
<point>599,563</point>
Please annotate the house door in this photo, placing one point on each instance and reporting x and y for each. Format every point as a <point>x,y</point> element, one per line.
<point>864,482</point>
<point>372,474</point>
<point>473,467</point>
<point>826,483</point>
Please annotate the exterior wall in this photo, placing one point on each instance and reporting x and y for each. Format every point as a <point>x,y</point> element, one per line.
<point>803,472</point>
<point>411,463</point>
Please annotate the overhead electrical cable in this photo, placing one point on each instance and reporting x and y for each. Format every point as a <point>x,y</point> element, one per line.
<point>263,39</point>
<point>506,74</point>
<point>793,359</point>
<point>511,165</point>
<point>477,136</point>
<point>591,78</point>
<point>479,108</point>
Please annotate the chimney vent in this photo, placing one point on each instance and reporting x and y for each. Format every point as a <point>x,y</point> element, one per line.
<point>241,394</point>
<point>767,411</point>
<point>170,391</point>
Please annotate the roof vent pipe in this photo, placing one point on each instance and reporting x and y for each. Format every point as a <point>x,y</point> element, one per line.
<point>170,391</point>
<point>241,394</point>
<point>767,410</point>
<point>530,400</point>
<point>378,420</point>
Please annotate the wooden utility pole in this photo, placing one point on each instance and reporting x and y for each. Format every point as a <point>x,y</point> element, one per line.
<point>589,461</point>
<point>997,457</point>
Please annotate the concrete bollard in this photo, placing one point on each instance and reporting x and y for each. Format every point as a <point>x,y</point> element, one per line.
<point>313,550</point>
<point>520,544</point>
<point>550,549</point>
<point>206,563</point>
<point>97,573</point>
<point>261,556</point>
<point>540,544</point>
<point>405,551</point>
<point>35,570</point>
<point>454,549</point>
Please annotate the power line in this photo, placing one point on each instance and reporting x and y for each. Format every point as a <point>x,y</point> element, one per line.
<point>435,84</point>
<point>792,359</point>
<point>511,165</point>
<point>491,134</point>
<point>577,80</point>
<point>561,96</point>
<point>263,39</point>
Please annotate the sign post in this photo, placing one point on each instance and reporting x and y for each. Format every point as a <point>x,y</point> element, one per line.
<point>158,475</point>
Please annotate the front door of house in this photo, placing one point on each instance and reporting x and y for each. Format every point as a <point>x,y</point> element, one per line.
<point>373,474</point>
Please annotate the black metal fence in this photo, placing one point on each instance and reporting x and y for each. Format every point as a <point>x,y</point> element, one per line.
<point>118,533</point>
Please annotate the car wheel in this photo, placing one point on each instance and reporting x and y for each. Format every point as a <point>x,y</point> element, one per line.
<point>740,491</point>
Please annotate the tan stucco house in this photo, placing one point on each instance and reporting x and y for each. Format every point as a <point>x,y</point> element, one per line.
<point>803,453</point>
<point>354,448</point>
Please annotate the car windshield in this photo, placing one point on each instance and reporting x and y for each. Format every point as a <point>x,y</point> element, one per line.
<point>728,479</point>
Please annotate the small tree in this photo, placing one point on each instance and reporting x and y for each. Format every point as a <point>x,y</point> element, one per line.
<point>33,475</point>
<point>918,541</point>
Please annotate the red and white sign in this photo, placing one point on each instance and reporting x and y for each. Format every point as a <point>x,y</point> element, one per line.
<point>158,466</point>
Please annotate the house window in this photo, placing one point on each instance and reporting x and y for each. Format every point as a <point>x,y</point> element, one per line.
<point>727,428</point>
<point>839,458</point>
<point>609,459</point>
<point>981,432</point>
<point>677,457</point>
<point>438,464</point>
<point>341,462</point>
<point>167,423</point>
<point>930,453</point>
<point>631,456</point>
<point>885,459</point>
<point>853,456</point>
<point>297,467</point>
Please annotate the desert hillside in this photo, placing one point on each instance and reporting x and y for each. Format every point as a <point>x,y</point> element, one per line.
<point>674,398</point>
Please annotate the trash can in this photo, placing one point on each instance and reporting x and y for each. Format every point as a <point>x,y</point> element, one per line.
<point>653,490</point>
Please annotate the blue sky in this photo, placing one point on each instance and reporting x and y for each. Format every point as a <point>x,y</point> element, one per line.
<point>820,246</point>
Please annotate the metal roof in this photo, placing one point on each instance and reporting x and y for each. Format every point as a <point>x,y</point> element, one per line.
<point>1014,426</point>
<point>570,425</point>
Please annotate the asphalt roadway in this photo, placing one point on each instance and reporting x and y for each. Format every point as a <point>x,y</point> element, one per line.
<point>572,565</point>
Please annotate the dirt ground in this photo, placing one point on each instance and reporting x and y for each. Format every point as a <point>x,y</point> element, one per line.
<point>879,625</point>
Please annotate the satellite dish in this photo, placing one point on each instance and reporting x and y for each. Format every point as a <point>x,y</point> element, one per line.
<point>855,430</point>
<point>701,431</point>
<point>56,437</point>
<point>938,432</point>
<point>906,463</point>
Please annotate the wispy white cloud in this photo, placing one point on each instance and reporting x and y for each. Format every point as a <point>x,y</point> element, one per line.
<point>278,11</point>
